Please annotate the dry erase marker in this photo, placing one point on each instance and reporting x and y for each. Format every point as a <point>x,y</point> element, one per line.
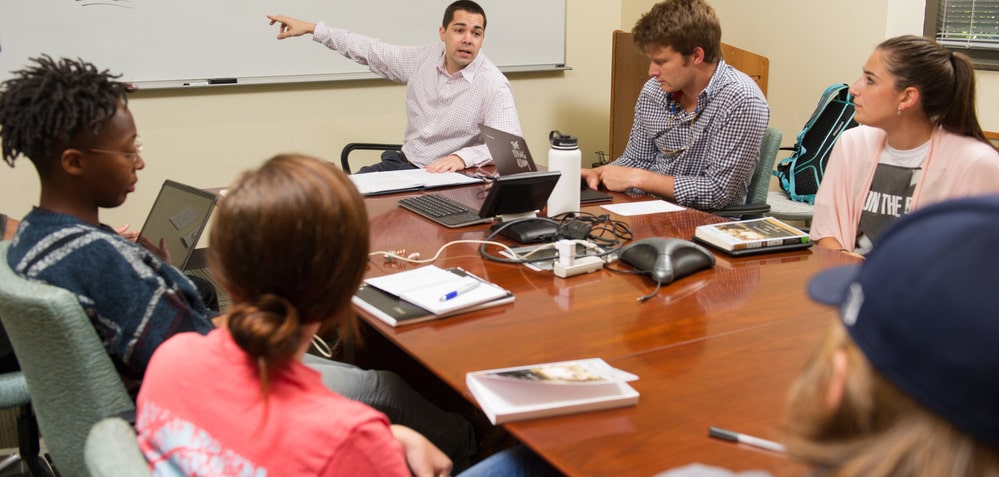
<point>730,436</point>
<point>465,289</point>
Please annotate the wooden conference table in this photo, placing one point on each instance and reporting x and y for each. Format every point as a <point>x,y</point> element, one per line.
<point>717,348</point>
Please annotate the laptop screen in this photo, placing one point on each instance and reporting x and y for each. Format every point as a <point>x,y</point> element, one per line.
<point>509,151</point>
<point>519,194</point>
<point>178,216</point>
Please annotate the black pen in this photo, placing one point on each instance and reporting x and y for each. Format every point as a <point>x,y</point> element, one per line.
<point>727,435</point>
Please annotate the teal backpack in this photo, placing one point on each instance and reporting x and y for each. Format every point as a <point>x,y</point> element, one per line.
<point>801,173</point>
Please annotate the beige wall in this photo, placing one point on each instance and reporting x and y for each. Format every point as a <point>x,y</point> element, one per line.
<point>206,137</point>
<point>808,55</point>
<point>812,45</point>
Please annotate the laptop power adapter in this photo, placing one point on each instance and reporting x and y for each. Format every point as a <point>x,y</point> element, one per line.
<point>574,230</point>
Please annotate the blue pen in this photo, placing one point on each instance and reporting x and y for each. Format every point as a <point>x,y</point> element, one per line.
<point>465,289</point>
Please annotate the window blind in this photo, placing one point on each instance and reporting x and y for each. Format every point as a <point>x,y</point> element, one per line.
<point>972,24</point>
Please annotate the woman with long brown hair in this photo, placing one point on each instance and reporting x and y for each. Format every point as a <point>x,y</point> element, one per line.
<point>919,142</point>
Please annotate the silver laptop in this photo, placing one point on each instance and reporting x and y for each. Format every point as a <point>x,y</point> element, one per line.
<point>178,217</point>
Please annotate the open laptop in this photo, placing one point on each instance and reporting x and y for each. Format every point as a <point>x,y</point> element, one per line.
<point>179,216</point>
<point>511,156</point>
<point>509,151</point>
<point>511,195</point>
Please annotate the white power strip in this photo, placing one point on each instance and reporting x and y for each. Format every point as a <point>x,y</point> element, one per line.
<point>579,266</point>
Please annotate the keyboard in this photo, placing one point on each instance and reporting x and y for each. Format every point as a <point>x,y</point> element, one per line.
<point>443,210</point>
<point>220,292</point>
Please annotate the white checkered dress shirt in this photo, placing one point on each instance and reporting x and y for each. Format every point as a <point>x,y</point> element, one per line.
<point>443,111</point>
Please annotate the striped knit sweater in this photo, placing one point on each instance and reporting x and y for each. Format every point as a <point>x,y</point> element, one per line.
<point>134,300</point>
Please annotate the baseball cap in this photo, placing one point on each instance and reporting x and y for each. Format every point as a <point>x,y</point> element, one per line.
<point>922,308</point>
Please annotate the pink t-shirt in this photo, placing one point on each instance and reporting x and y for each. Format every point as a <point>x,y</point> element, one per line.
<point>201,412</point>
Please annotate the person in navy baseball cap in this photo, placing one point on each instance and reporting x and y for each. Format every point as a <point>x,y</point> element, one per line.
<point>908,382</point>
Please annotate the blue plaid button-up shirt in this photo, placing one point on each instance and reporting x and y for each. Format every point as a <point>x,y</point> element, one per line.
<point>712,151</point>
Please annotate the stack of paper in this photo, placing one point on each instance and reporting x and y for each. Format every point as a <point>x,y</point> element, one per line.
<point>374,183</point>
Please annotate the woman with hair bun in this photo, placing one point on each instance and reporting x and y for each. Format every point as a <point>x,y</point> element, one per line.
<point>919,142</point>
<point>290,244</point>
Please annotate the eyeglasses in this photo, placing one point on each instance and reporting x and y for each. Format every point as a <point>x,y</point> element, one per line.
<point>689,123</point>
<point>134,156</point>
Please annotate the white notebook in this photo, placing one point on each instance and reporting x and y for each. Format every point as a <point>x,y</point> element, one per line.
<point>550,389</point>
<point>437,290</point>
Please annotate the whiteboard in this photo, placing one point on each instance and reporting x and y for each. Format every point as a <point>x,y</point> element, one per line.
<point>173,43</point>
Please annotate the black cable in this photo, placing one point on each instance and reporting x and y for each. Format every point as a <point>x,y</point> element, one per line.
<point>600,227</point>
<point>496,231</point>
<point>645,297</point>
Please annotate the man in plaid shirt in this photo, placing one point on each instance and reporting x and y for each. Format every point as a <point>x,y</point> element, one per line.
<point>699,122</point>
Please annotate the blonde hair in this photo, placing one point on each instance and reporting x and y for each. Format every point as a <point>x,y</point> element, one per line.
<point>877,430</point>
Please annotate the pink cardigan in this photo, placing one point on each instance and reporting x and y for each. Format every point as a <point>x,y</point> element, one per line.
<point>956,166</point>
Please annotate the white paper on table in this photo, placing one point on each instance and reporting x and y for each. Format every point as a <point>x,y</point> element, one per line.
<point>408,179</point>
<point>643,208</point>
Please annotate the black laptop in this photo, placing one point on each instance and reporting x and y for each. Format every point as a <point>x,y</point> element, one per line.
<point>515,194</point>
<point>511,156</point>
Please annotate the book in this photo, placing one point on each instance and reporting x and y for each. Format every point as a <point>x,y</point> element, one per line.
<point>387,182</point>
<point>752,236</point>
<point>550,389</point>
<point>415,295</point>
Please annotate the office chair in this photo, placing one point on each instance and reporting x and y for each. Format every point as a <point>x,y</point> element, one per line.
<point>363,146</point>
<point>72,382</point>
<point>14,394</point>
<point>756,205</point>
<point>782,207</point>
<point>111,450</point>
